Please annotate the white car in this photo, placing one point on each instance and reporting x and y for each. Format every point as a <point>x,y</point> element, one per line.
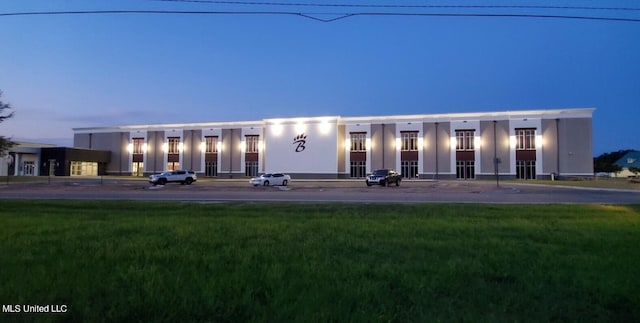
<point>268,179</point>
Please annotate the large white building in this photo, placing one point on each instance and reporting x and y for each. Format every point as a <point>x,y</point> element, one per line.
<point>530,144</point>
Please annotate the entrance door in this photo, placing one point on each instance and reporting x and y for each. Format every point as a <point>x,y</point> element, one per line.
<point>28,168</point>
<point>137,169</point>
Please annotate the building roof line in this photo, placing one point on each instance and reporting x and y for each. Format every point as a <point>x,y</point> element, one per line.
<point>438,117</point>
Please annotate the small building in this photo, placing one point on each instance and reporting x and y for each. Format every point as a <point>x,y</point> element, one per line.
<point>22,159</point>
<point>31,159</point>
<point>529,144</point>
<point>64,161</point>
<point>630,160</point>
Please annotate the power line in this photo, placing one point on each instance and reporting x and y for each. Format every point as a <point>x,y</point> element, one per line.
<point>389,6</point>
<point>313,15</point>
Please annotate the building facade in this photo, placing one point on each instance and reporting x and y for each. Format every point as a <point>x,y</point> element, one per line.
<point>534,144</point>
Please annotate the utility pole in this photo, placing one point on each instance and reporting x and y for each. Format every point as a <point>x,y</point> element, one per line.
<point>496,161</point>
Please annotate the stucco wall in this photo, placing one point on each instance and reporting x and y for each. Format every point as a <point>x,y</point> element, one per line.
<point>576,148</point>
<point>310,148</point>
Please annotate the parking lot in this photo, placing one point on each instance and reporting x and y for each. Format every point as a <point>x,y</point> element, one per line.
<point>239,190</point>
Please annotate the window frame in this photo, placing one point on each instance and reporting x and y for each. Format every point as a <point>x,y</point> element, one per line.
<point>210,144</point>
<point>173,145</point>
<point>251,143</point>
<point>525,139</point>
<point>465,140</point>
<point>358,141</point>
<point>409,140</point>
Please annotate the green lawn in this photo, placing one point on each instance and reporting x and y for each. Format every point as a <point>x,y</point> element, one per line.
<point>142,261</point>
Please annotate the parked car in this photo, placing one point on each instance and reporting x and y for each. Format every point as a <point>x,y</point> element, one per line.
<point>384,177</point>
<point>271,179</point>
<point>175,176</point>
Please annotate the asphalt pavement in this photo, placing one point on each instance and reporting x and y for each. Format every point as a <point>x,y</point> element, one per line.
<point>346,191</point>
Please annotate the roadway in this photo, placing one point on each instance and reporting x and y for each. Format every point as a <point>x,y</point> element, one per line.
<point>318,191</point>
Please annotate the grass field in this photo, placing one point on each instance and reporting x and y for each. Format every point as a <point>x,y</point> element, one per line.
<point>141,261</point>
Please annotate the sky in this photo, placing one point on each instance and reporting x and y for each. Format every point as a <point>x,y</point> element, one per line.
<point>65,71</point>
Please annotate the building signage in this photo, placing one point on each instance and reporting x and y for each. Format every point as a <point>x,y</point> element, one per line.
<point>301,140</point>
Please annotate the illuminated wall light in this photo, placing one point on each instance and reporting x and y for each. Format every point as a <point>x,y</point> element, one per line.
<point>300,127</point>
<point>130,148</point>
<point>538,141</point>
<point>477,141</point>
<point>347,143</point>
<point>512,142</point>
<point>219,146</point>
<point>203,146</point>
<point>276,129</point>
<point>367,144</point>
<point>144,147</point>
<point>398,143</point>
<point>324,127</point>
<point>260,145</point>
<point>420,142</point>
<point>453,142</point>
<point>165,147</point>
<point>180,147</point>
<point>243,146</point>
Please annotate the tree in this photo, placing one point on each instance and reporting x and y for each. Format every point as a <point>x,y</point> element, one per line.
<point>5,143</point>
<point>606,162</point>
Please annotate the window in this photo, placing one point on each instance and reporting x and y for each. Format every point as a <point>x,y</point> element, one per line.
<point>409,140</point>
<point>465,140</point>
<point>525,139</point>
<point>80,168</point>
<point>251,168</point>
<point>173,165</point>
<point>465,169</point>
<point>525,169</point>
<point>138,144</point>
<point>358,141</point>
<point>174,144</point>
<point>409,168</point>
<point>251,144</point>
<point>211,168</point>
<point>358,169</point>
<point>211,144</point>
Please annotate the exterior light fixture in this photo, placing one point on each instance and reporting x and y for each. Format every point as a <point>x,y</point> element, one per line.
<point>538,141</point>
<point>324,127</point>
<point>513,142</point>
<point>276,129</point>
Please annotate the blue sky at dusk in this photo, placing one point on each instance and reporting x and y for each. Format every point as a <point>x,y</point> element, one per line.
<point>84,70</point>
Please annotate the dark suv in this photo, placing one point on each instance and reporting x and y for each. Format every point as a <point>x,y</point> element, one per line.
<point>384,177</point>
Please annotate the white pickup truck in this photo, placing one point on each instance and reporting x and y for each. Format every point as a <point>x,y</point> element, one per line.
<point>175,176</point>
